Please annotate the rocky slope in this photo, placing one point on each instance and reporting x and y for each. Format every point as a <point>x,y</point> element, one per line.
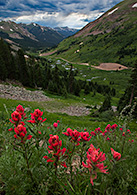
<point>19,93</point>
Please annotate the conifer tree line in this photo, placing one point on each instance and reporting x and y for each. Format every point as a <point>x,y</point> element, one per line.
<point>38,72</point>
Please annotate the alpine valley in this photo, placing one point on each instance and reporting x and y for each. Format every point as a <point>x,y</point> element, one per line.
<point>68,105</point>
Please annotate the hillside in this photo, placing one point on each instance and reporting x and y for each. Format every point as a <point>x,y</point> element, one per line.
<point>110,38</point>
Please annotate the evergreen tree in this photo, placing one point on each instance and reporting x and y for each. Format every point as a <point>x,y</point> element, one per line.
<point>71,81</point>
<point>64,91</point>
<point>77,88</point>
<point>3,70</point>
<point>39,79</point>
<point>87,89</point>
<point>113,92</point>
<point>56,80</point>
<point>106,104</point>
<point>24,76</point>
<point>8,64</point>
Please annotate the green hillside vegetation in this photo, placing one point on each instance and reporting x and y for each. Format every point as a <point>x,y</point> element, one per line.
<point>101,48</point>
<point>115,40</point>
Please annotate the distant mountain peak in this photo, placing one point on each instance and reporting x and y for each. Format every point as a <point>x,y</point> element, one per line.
<point>66,31</point>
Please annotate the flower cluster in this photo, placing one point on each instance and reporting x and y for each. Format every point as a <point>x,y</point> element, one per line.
<point>95,162</point>
<point>19,129</point>
<point>85,136</point>
<point>21,132</point>
<point>96,131</point>
<point>17,116</point>
<point>20,110</point>
<point>36,117</point>
<point>111,129</point>
<point>116,155</point>
<point>75,135</point>
<point>55,150</point>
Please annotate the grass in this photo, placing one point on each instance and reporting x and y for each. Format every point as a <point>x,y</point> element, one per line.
<point>72,121</point>
<point>7,106</point>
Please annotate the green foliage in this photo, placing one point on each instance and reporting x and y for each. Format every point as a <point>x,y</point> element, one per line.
<point>106,104</point>
<point>24,171</point>
<point>107,115</point>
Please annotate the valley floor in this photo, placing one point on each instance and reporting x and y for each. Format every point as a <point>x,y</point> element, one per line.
<point>102,66</point>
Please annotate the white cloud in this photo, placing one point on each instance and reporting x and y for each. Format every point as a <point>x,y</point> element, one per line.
<point>73,20</point>
<point>72,13</point>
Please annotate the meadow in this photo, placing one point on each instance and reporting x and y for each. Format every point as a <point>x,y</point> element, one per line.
<point>45,152</point>
<point>38,157</point>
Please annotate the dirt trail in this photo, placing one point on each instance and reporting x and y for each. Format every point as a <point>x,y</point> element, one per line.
<point>87,64</point>
<point>48,53</point>
<point>102,66</point>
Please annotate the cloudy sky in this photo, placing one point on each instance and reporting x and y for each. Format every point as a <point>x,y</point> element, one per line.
<point>53,13</point>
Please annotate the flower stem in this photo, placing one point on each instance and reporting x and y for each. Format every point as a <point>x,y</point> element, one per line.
<point>27,163</point>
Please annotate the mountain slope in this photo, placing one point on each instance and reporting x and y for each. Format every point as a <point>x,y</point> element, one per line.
<point>29,36</point>
<point>45,35</point>
<point>110,38</point>
<point>16,35</point>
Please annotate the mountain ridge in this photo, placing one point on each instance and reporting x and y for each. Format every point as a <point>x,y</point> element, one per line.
<point>31,35</point>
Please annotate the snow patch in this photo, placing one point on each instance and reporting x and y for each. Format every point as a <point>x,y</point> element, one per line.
<point>135,5</point>
<point>42,29</point>
<point>113,11</point>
